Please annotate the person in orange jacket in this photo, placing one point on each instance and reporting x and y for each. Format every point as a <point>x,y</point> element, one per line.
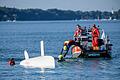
<point>95,36</point>
<point>77,32</point>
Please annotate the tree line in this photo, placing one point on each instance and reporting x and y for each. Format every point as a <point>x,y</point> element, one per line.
<point>53,14</point>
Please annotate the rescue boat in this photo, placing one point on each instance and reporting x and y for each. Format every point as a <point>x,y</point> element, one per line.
<point>85,49</point>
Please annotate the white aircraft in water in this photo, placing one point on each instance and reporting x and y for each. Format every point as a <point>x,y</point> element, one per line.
<point>40,61</point>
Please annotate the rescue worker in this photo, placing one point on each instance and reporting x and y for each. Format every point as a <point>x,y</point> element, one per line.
<point>77,33</point>
<point>95,36</point>
<point>65,49</point>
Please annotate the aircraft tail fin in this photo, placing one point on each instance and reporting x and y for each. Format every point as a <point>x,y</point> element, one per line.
<point>42,48</point>
<point>26,54</point>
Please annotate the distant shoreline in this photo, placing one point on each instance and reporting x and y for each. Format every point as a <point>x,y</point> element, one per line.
<point>64,21</point>
<point>14,14</point>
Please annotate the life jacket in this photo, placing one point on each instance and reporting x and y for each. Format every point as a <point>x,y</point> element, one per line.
<point>77,32</point>
<point>95,32</point>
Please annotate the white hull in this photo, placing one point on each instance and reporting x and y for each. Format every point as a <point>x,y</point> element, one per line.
<point>39,62</point>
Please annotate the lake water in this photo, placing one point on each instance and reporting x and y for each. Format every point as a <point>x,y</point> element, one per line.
<point>17,36</point>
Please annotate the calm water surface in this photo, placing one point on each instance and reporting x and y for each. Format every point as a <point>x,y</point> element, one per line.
<point>17,36</point>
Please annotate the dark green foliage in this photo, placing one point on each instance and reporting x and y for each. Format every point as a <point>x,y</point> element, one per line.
<point>53,14</point>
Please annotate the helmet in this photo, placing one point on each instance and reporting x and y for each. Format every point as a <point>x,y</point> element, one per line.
<point>60,57</point>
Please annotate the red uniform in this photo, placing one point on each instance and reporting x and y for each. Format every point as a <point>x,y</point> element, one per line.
<point>77,33</point>
<point>95,36</point>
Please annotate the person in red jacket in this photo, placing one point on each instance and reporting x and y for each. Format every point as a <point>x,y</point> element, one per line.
<point>77,32</point>
<point>95,36</point>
